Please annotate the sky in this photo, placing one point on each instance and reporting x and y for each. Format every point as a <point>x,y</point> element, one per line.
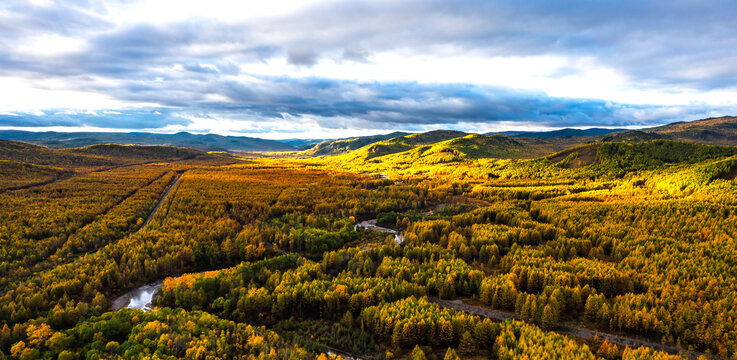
<point>329,69</point>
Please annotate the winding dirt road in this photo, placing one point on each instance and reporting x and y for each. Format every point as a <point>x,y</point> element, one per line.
<point>583,333</point>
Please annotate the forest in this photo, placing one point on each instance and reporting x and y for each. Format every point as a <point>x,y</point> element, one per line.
<point>608,250</point>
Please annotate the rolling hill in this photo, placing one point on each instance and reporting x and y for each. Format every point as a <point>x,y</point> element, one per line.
<point>714,131</point>
<point>640,155</point>
<point>611,155</point>
<point>41,155</point>
<point>209,142</point>
<point>403,143</point>
<point>99,156</point>
<point>333,147</point>
<point>632,136</point>
<point>446,145</point>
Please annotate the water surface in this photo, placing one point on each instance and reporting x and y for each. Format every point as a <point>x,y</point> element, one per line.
<point>138,298</point>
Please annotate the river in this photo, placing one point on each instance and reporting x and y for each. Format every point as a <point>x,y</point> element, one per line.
<point>141,297</point>
<point>138,298</point>
<point>371,225</point>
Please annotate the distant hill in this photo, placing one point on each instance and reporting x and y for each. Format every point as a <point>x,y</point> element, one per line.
<point>472,146</point>
<point>615,151</point>
<point>547,140</point>
<point>101,156</point>
<point>632,136</point>
<point>41,155</point>
<point>302,144</point>
<point>714,131</point>
<point>559,133</point>
<point>333,147</point>
<point>209,142</point>
<point>407,142</point>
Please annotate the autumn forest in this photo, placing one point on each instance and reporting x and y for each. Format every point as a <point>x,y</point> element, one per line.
<point>440,245</point>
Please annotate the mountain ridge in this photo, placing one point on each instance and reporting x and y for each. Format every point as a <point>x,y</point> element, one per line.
<point>204,142</point>
<point>712,131</point>
<point>566,132</point>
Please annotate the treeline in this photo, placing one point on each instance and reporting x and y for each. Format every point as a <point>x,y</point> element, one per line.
<point>624,157</point>
<point>50,225</point>
<point>14,174</point>
<point>411,322</point>
<point>215,217</point>
<point>681,251</point>
<point>280,288</point>
<point>106,156</point>
<point>133,334</point>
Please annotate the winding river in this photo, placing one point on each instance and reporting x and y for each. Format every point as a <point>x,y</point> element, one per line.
<point>142,297</point>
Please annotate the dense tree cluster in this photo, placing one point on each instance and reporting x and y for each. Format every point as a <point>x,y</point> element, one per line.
<point>133,334</point>
<point>47,226</point>
<point>681,252</point>
<point>264,258</point>
<point>411,322</point>
<point>16,175</point>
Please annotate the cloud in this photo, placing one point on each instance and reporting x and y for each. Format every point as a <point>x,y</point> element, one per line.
<point>132,119</point>
<point>309,62</point>
<point>358,55</point>
<point>301,56</point>
<point>686,43</point>
<point>341,104</point>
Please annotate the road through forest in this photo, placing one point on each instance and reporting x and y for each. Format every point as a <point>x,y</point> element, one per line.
<point>583,333</point>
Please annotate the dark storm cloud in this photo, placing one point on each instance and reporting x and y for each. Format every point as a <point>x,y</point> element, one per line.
<point>671,46</point>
